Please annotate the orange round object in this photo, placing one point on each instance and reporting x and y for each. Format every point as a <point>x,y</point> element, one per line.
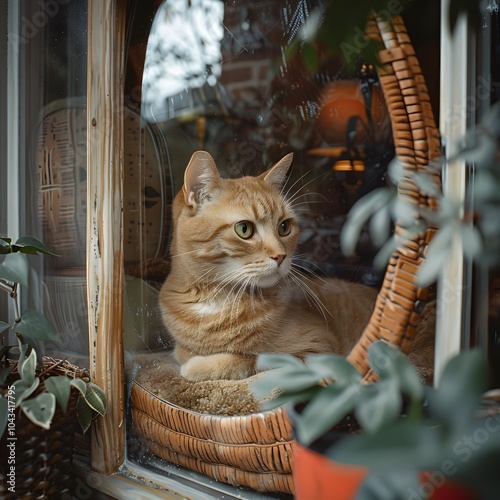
<point>340,101</point>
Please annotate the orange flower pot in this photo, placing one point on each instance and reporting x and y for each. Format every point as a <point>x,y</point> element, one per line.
<point>316,477</point>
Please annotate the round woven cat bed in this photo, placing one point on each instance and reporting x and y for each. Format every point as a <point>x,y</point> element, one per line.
<point>256,450</point>
<point>252,450</point>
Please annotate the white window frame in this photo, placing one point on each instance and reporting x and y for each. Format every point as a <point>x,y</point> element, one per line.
<point>454,90</point>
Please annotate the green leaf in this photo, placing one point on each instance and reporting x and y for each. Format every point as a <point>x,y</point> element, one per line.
<point>462,383</point>
<point>330,405</point>
<point>3,326</point>
<point>22,390</point>
<point>84,414</point>
<point>95,398</point>
<point>288,380</point>
<point>60,386</point>
<point>40,409</point>
<point>5,246</point>
<point>431,268</point>
<point>27,368</point>
<point>395,171</point>
<point>384,254</point>
<point>79,384</point>
<point>471,241</point>
<point>328,366</point>
<point>427,184</point>
<point>391,364</point>
<point>359,214</point>
<point>380,225</point>
<point>4,408</point>
<point>380,406</point>
<point>388,485</point>
<point>344,372</point>
<point>437,254</point>
<point>15,268</point>
<point>4,373</point>
<point>404,445</point>
<point>404,212</point>
<point>35,326</point>
<point>31,245</point>
<point>381,356</point>
<point>296,397</point>
<point>269,361</point>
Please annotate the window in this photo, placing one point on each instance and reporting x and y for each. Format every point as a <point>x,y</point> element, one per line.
<point>102,105</point>
<point>43,143</point>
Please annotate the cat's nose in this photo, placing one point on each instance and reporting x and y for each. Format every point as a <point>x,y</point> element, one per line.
<point>279,258</point>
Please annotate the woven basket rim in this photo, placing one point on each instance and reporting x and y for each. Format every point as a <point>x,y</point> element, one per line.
<point>282,409</point>
<point>277,444</point>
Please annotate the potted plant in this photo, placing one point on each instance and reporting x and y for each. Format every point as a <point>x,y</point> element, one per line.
<point>410,441</point>
<point>39,396</point>
<point>395,438</point>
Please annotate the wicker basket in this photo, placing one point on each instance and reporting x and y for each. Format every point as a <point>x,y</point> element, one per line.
<point>252,450</point>
<point>255,450</point>
<point>42,458</point>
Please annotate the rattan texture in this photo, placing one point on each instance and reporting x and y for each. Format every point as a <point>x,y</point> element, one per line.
<point>43,458</point>
<point>416,140</point>
<point>255,450</point>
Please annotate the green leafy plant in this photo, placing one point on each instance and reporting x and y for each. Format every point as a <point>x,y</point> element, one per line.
<point>25,382</point>
<point>476,228</point>
<point>405,427</point>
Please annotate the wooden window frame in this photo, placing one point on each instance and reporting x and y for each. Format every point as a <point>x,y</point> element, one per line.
<point>105,264</point>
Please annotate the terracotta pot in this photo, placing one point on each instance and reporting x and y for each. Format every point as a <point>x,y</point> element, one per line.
<point>318,478</point>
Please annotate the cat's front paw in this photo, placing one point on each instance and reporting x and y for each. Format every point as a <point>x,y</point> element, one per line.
<point>218,367</point>
<point>195,369</point>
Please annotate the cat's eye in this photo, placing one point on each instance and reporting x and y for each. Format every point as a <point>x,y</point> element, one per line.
<point>284,228</point>
<point>244,229</point>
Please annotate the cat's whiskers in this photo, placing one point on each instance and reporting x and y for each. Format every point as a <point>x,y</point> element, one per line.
<point>300,280</point>
<point>199,278</point>
<point>302,270</point>
<point>237,297</point>
<point>294,203</point>
<point>296,194</point>
<point>224,281</point>
<point>285,194</point>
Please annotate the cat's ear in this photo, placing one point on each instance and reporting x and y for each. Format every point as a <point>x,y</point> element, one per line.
<point>201,179</point>
<point>278,173</point>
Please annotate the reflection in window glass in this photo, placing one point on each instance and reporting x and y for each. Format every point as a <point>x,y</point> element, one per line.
<point>52,114</point>
<point>485,289</point>
<point>219,76</point>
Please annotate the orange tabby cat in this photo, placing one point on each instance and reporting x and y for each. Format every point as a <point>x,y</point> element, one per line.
<point>233,291</point>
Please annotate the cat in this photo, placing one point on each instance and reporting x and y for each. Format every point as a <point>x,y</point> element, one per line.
<point>233,291</point>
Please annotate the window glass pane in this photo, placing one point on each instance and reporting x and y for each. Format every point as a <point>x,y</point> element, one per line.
<point>485,320</point>
<point>51,44</point>
<point>221,76</point>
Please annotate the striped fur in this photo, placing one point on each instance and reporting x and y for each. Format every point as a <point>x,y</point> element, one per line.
<point>228,299</point>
